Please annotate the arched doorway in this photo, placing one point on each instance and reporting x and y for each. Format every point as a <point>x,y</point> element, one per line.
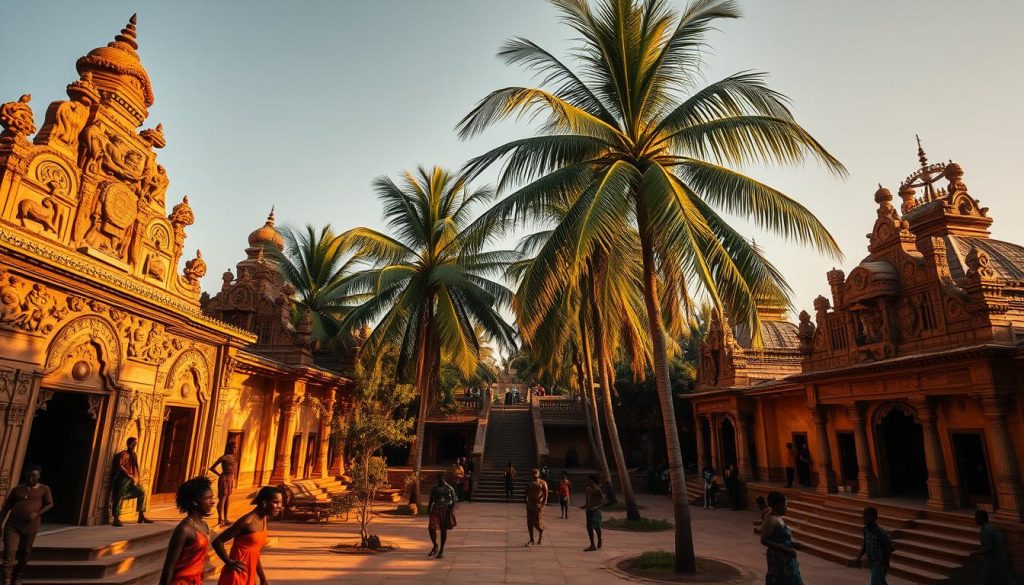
<point>900,442</point>
<point>450,445</point>
<point>61,442</point>
<point>727,434</point>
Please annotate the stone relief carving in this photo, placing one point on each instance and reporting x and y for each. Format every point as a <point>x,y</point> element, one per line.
<point>146,341</point>
<point>69,120</point>
<point>190,374</point>
<point>31,306</point>
<point>113,219</point>
<point>195,269</point>
<point>43,213</point>
<point>54,177</point>
<point>94,329</point>
<point>14,383</point>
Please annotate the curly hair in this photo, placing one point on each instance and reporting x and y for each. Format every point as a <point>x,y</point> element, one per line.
<point>265,494</point>
<point>189,492</point>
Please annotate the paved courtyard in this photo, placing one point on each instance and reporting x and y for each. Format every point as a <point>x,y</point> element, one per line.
<point>487,547</point>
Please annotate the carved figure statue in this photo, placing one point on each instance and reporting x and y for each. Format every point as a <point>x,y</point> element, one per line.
<point>195,269</point>
<point>69,120</point>
<point>37,306</point>
<point>16,117</point>
<point>44,213</point>
<point>154,182</point>
<point>10,297</point>
<point>154,267</point>
<point>871,325</point>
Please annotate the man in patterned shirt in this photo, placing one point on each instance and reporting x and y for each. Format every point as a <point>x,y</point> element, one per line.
<point>878,547</point>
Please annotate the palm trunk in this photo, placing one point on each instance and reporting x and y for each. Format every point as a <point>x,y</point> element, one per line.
<point>423,368</point>
<point>607,379</point>
<point>581,379</point>
<point>602,459</point>
<point>685,559</point>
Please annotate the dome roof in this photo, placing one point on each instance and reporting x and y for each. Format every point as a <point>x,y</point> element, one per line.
<point>267,235</point>
<point>775,336</point>
<point>1007,259</point>
<point>120,58</point>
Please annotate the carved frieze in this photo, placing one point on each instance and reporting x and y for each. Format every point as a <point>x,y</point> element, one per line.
<point>14,385</point>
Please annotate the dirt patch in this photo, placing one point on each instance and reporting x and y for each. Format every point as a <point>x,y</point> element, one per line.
<point>355,549</point>
<point>708,571</point>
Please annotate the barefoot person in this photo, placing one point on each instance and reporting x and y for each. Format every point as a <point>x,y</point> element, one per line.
<point>564,494</point>
<point>126,484</point>
<point>778,538</point>
<point>225,482</point>
<point>441,511</point>
<point>190,542</point>
<point>536,499</point>
<point>249,533</point>
<point>594,499</point>
<point>26,504</point>
<point>510,481</point>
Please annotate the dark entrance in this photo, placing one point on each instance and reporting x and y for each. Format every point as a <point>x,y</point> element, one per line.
<point>61,441</point>
<point>450,445</point>
<point>175,445</point>
<point>728,443</point>
<point>972,469</point>
<point>847,456</point>
<point>904,453</point>
<point>296,451</point>
<point>312,445</point>
<point>705,431</point>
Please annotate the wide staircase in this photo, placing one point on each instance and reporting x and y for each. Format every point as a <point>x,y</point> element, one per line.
<point>930,547</point>
<point>509,438</point>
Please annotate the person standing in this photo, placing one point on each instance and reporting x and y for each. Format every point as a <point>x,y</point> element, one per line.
<point>564,494</point>
<point>995,564</point>
<point>26,504</point>
<point>593,500</point>
<point>877,546</point>
<point>536,499</point>
<point>510,481</point>
<point>710,489</point>
<point>225,482</point>
<point>456,474</point>
<point>249,534</point>
<point>467,465</point>
<point>790,464</point>
<point>783,568</point>
<point>732,484</point>
<point>190,542</point>
<point>804,465</point>
<point>126,484</point>
<point>441,511</point>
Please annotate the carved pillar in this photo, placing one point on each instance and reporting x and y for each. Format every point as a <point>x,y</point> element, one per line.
<point>746,471</point>
<point>286,428</point>
<point>702,456</point>
<point>337,463</point>
<point>940,492</point>
<point>867,483</point>
<point>11,432</point>
<point>324,436</point>
<point>1005,467</point>
<point>823,462</point>
<point>715,444</point>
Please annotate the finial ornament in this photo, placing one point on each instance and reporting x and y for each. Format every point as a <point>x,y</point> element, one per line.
<point>127,35</point>
<point>920,152</point>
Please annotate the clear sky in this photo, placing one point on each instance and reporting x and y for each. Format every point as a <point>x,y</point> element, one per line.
<point>301,104</point>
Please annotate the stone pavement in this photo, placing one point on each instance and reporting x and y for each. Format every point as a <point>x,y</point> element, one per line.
<point>487,547</point>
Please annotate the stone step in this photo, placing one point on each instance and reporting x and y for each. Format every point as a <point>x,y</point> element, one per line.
<point>932,538</point>
<point>100,568</point>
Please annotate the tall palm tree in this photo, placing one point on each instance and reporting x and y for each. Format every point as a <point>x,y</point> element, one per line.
<point>320,267</point>
<point>649,149</point>
<point>429,295</point>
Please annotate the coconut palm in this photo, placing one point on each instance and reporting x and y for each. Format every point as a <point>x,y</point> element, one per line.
<point>430,296</point>
<point>320,268</point>
<point>647,148</point>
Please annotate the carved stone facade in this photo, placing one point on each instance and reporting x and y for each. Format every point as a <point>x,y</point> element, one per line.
<point>102,336</point>
<point>909,379</point>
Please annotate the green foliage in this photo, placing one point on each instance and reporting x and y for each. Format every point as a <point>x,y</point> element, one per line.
<point>655,560</point>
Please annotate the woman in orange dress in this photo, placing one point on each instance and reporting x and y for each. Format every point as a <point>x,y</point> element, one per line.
<point>190,541</point>
<point>249,533</point>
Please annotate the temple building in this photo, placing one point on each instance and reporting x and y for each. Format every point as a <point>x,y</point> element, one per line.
<point>906,384</point>
<point>102,333</point>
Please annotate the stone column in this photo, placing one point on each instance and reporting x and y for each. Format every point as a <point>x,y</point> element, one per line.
<point>867,482</point>
<point>823,461</point>
<point>1006,469</point>
<point>702,456</point>
<point>940,492</point>
<point>336,466</point>
<point>324,436</point>
<point>282,472</point>
<point>746,471</point>
<point>715,446</point>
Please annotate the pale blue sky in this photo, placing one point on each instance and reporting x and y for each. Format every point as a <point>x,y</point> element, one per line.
<point>301,104</point>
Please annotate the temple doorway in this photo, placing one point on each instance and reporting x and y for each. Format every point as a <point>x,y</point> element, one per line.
<point>727,434</point>
<point>312,444</point>
<point>175,448</point>
<point>974,486</point>
<point>61,441</point>
<point>450,445</point>
<point>706,437</point>
<point>903,448</point>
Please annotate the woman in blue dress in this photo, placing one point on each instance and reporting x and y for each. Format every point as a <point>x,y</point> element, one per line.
<point>778,538</point>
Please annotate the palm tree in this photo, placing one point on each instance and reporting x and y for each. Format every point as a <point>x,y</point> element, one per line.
<point>646,148</point>
<point>430,296</point>
<point>319,267</point>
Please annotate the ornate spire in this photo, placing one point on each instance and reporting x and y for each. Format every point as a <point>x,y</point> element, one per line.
<point>267,234</point>
<point>127,35</point>
<point>920,152</point>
